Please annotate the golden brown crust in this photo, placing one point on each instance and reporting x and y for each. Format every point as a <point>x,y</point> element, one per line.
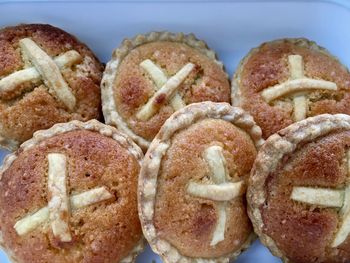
<point>126,87</point>
<point>306,153</point>
<point>100,233</point>
<point>267,65</point>
<point>32,107</point>
<point>194,115</point>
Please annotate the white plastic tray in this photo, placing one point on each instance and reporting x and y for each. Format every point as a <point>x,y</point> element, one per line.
<point>229,27</point>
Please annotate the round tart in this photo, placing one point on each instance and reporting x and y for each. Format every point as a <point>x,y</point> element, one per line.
<point>299,191</point>
<point>69,195</point>
<point>288,80</point>
<point>192,184</point>
<point>151,76</point>
<point>46,76</point>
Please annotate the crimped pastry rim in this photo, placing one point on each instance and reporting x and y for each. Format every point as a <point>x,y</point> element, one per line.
<point>276,146</point>
<point>60,128</point>
<point>149,170</point>
<point>109,108</point>
<point>236,93</point>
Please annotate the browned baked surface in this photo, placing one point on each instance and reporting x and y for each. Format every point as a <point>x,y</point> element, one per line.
<point>267,66</point>
<point>102,232</point>
<point>133,86</point>
<point>312,153</point>
<point>188,222</point>
<point>32,107</point>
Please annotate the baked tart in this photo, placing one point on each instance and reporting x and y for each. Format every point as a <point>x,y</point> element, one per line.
<point>46,76</point>
<point>192,184</point>
<point>299,192</point>
<point>151,76</point>
<point>69,195</point>
<point>288,80</point>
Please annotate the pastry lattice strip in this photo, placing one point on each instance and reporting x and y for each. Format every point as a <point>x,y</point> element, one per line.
<point>298,85</point>
<point>31,222</point>
<point>221,190</point>
<point>166,91</point>
<point>11,82</point>
<point>58,204</point>
<point>49,72</point>
<point>333,198</point>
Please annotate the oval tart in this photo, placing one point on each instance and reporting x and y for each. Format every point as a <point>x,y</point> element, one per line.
<point>299,192</point>
<point>288,80</point>
<point>151,76</point>
<point>192,184</point>
<point>69,195</point>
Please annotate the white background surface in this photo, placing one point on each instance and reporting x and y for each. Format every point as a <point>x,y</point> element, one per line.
<point>231,28</point>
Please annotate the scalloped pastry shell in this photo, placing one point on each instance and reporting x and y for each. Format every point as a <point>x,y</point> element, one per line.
<point>109,108</point>
<point>92,125</point>
<point>149,172</point>
<point>271,153</point>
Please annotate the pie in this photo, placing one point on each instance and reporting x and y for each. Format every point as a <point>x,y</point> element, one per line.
<point>192,184</point>
<point>46,76</point>
<point>151,76</point>
<point>299,191</point>
<point>69,195</point>
<point>288,80</point>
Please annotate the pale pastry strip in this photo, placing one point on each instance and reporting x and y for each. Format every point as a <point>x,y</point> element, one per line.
<point>219,232</point>
<point>344,229</point>
<point>300,104</point>
<point>150,108</point>
<point>155,72</point>
<point>300,107</point>
<point>217,164</point>
<point>89,197</point>
<point>160,79</point>
<point>11,82</point>
<point>318,196</point>
<point>49,72</point>
<point>217,192</point>
<point>31,222</point>
<point>58,203</point>
<point>296,85</point>
<point>221,190</point>
<point>296,67</point>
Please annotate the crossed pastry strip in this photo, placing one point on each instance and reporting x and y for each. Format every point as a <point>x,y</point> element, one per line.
<point>165,88</point>
<point>221,191</point>
<point>45,68</point>
<point>334,198</point>
<point>297,85</point>
<point>60,205</point>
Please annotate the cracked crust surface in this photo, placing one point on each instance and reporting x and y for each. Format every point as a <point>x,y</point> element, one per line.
<point>31,107</point>
<point>97,155</point>
<point>267,66</point>
<point>309,153</point>
<point>177,225</point>
<point>126,86</point>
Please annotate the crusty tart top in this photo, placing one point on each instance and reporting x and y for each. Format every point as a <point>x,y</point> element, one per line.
<point>40,137</point>
<point>29,100</point>
<point>150,171</point>
<point>270,65</point>
<point>109,107</point>
<point>282,147</point>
